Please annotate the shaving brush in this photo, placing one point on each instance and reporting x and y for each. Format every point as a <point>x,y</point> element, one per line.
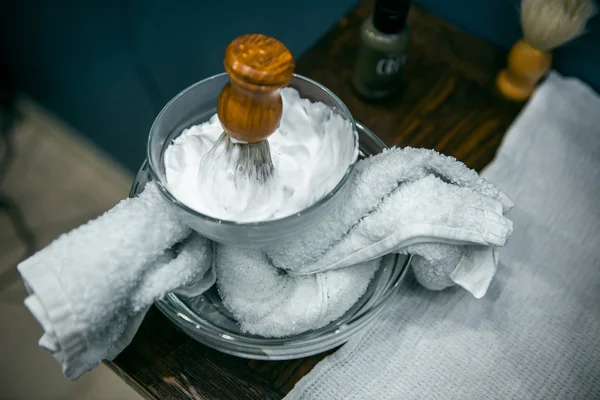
<point>249,108</point>
<point>547,25</point>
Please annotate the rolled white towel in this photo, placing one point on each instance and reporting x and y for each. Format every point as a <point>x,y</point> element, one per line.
<point>91,287</point>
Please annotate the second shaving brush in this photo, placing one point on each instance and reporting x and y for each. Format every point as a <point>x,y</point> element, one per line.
<point>547,24</point>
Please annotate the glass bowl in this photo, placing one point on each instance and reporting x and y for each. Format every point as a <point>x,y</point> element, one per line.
<point>205,319</point>
<point>196,105</point>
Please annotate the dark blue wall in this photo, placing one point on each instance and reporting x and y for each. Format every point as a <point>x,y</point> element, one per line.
<point>107,67</point>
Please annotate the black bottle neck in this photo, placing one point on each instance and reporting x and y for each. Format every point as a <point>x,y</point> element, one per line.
<point>389,16</point>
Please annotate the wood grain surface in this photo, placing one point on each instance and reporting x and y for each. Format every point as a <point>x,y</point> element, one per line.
<point>448,102</point>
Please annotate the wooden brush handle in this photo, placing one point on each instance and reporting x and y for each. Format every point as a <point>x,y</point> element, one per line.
<point>250,105</point>
<point>526,66</point>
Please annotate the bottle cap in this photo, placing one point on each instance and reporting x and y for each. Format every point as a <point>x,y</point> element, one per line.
<point>390,16</point>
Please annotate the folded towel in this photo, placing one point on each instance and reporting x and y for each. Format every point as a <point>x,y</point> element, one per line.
<point>91,288</point>
<point>378,203</point>
<point>535,334</point>
<point>401,201</point>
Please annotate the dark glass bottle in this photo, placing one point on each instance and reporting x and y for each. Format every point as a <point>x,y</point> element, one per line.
<point>384,39</point>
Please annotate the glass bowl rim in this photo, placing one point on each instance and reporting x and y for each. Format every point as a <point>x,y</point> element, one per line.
<point>173,200</point>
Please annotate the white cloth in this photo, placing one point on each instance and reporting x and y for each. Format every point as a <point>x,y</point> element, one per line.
<point>401,201</point>
<point>91,288</point>
<point>536,334</point>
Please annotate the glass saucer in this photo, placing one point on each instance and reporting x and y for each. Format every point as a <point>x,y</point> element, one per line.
<point>205,319</point>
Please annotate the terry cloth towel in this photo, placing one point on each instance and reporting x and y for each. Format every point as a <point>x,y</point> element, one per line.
<point>535,335</point>
<point>408,201</point>
<point>91,288</point>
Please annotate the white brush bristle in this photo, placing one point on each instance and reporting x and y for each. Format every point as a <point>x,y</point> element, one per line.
<point>548,24</point>
<point>253,159</point>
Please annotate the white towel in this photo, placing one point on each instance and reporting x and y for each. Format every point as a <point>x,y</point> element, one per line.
<point>535,335</point>
<point>401,201</point>
<point>91,288</point>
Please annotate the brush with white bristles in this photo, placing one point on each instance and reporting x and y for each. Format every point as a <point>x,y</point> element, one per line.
<point>239,166</point>
<point>547,25</point>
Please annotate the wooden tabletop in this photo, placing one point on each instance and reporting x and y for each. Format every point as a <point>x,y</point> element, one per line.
<point>448,102</point>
